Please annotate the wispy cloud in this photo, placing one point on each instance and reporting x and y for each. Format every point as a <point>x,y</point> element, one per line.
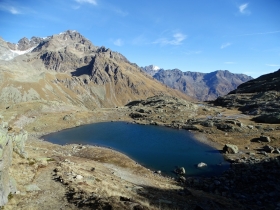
<point>93,2</point>
<point>118,42</point>
<point>9,8</point>
<point>243,9</point>
<point>229,62</point>
<point>190,52</point>
<point>140,40</point>
<point>261,33</point>
<point>176,39</point>
<point>225,45</point>
<point>76,7</point>
<point>273,65</point>
<point>119,11</point>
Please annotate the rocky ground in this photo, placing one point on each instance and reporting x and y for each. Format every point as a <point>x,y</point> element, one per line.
<point>87,177</point>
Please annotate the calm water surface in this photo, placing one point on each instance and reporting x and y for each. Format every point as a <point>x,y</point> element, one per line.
<point>155,147</point>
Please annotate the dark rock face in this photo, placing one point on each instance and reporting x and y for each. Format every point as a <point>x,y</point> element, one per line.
<point>201,86</point>
<point>260,97</point>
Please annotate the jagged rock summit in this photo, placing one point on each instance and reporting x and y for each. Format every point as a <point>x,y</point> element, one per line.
<point>67,68</point>
<point>202,86</point>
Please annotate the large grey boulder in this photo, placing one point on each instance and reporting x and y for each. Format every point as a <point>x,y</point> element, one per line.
<point>8,142</point>
<point>6,150</point>
<point>230,148</point>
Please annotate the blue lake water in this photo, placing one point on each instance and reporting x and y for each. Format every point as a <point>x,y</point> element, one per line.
<point>155,147</point>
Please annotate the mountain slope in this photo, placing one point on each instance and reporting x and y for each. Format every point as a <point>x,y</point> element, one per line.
<point>67,68</point>
<point>202,86</point>
<point>259,97</point>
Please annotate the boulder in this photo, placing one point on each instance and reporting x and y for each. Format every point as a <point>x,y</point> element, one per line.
<point>273,118</point>
<point>265,139</point>
<point>224,127</point>
<point>200,165</point>
<point>79,177</point>
<point>136,115</point>
<point>230,148</point>
<point>67,117</point>
<point>181,179</point>
<point>208,124</point>
<point>180,171</point>
<point>32,188</point>
<point>9,142</point>
<point>268,149</point>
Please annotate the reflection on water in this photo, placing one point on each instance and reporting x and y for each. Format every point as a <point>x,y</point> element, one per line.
<point>158,148</point>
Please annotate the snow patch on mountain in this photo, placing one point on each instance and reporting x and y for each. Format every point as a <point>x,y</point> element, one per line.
<point>19,52</point>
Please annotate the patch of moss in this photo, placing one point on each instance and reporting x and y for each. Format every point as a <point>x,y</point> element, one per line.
<point>50,159</point>
<point>10,196</point>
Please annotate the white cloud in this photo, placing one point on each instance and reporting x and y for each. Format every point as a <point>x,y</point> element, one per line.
<point>118,42</point>
<point>14,11</point>
<point>225,45</point>
<point>93,2</point>
<point>177,39</point>
<point>243,9</point>
<point>261,33</point>
<point>10,9</point>
<point>273,65</point>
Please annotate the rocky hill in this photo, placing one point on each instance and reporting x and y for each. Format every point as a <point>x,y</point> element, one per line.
<point>202,86</point>
<point>68,69</point>
<point>259,97</point>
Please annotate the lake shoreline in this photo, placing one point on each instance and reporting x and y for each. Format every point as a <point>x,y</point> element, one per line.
<point>162,141</point>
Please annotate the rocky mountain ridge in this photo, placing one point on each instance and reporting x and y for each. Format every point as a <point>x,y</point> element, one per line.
<point>259,97</point>
<point>67,68</point>
<point>202,86</point>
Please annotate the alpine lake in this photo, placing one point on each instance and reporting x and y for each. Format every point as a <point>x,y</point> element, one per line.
<point>155,147</point>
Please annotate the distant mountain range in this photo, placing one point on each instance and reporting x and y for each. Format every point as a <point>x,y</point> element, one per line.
<point>202,86</point>
<point>67,68</point>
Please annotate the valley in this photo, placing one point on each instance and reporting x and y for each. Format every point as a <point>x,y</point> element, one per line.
<point>65,81</point>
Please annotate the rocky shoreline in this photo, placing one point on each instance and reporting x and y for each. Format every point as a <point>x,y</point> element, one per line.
<point>251,181</point>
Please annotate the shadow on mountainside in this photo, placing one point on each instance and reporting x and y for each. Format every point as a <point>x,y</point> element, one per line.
<point>84,70</point>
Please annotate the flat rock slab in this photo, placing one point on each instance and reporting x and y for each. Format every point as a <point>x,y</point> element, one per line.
<point>32,187</point>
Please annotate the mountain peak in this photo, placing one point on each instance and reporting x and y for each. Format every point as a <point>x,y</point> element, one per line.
<point>151,69</point>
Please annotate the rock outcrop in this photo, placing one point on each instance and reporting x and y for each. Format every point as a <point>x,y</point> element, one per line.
<point>259,97</point>
<point>8,142</point>
<point>202,86</point>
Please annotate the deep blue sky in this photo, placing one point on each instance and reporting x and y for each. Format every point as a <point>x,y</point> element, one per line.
<point>192,35</point>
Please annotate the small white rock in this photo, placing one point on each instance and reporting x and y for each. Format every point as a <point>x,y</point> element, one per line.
<point>79,177</point>
<point>200,165</point>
